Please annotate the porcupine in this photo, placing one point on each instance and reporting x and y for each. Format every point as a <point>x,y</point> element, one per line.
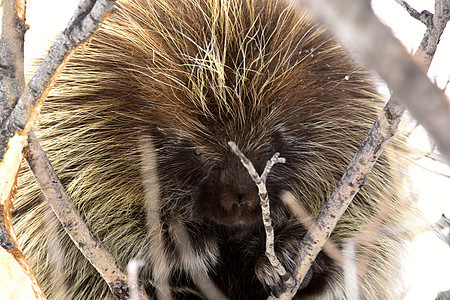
<point>137,129</point>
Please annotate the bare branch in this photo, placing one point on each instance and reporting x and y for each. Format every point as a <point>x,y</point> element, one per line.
<point>443,295</point>
<point>157,253</point>
<point>330,248</point>
<point>380,134</point>
<point>72,222</point>
<point>11,58</point>
<point>425,16</point>
<point>435,28</point>
<point>260,182</point>
<point>11,85</point>
<point>88,17</point>
<point>350,183</point>
<point>358,29</point>
<point>18,114</point>
<point>350,267</point>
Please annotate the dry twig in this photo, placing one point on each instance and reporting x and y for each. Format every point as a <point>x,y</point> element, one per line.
<point>185,249</point>
<point>84,23</point>
<point>18,115</point>
<point>435,27</point>
<point>157,254</point>
<point>133,268</point>
<point>260,182</point>
<point>330,248</point>
<point>425,16</point>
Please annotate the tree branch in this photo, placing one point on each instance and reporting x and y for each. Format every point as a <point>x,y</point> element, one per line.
<point>72,222</point>
<point>11,58</point>
<point>435,28</point>
<point>425,16</point>
<point>11,85</point>
<point>358,29</point>
<point>379,136</point>
<point>185,249</point>
<point>18,114</point>
<point>84,23</point>
<point>133,268</point>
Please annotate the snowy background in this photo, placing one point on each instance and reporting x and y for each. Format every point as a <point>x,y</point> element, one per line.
<point>48,17</point>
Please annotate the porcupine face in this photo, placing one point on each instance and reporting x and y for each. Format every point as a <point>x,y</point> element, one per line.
<point>219,187</point>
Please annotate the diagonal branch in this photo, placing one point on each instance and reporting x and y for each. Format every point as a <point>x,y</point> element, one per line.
<point>378,137</point>
<point>72,222</point>
<point>11,85</point>
<point>435,28</point>
<point>359,30</point>
<point>19,115</point>
<point>84,23</point>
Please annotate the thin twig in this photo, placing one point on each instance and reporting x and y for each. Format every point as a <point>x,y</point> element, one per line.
<point>72,222</point>
<point>17,122</point>
<point>84,23</point>
<point>186,251</point>
<point>350,183</point>
<point>133,268</point>
<point>350,270</point>
<point>330,248</point>
<point>425,16</point>
<point>435,28</point>
<point>160,264</point>
<point>260,182</point>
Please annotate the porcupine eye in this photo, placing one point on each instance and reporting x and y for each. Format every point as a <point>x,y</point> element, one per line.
<point>271,148</point>
<point>275,144</point>
<point>196,152</point>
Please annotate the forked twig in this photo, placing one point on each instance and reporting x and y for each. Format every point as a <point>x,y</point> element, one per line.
<point>260,182</point>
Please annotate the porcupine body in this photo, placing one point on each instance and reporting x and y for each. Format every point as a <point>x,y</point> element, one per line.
<point>137,129</point>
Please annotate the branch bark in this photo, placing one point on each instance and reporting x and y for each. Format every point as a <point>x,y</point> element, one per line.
<point>358,29</point>
<point>11,85</point>
<point>72,222</point>
<point>383,129</point>
<point>84,23</point>
<point>435,27</point>
<point>425,16</point>
<point>17,115</point>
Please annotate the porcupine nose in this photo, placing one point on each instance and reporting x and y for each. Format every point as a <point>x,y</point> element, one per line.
<point>239,205</point>
<point>237,192</point>
<point>239,198</point>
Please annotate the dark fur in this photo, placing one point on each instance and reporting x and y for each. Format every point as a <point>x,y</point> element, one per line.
<point>138,128</point>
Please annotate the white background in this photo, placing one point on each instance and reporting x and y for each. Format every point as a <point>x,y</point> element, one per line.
<point>430,258</point>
